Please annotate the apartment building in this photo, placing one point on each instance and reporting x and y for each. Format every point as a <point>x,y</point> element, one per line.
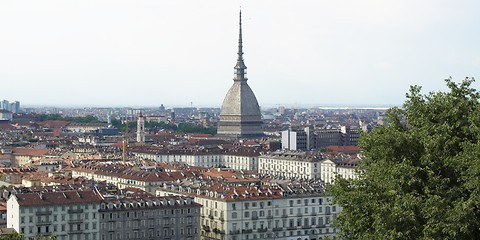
<point>150,218</point>
<point>345,168</point>
<point>69,215</point>
<point>87,214</point>
<point>123,176</point>
<point>290,164</point>
<point>238,159</point>
<point>288,210</point>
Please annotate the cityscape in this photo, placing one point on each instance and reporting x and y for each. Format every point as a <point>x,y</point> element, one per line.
<point>244,167</point>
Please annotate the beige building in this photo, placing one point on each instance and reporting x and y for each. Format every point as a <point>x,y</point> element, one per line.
<point>275,211</point>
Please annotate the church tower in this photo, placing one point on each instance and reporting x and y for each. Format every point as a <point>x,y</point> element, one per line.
<point>240,115</point>
<point>141,129</point>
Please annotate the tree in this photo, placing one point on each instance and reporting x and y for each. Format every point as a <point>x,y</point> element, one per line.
<point>420,176</point>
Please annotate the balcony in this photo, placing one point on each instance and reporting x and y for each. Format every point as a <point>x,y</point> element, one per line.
<point>270,216</point>
<point>277,229</point>
<point>284,216</point>
<point>234,232</point>
<point>75,211</point>
<point>292,228</point>
<point>262,230</point>
<point>218,231</point>
<point>78,220</point>
<point>306,227</point>
<point>43,213</point>
<point>44,222</point>
<point>254,217</point>
<point>75,231</point>
<point>313,214</point>
<point>247,231</point>
<point>299,214</point>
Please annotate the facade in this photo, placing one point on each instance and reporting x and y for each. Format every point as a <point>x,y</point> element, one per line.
<point>238,160</point>
<point>301,139</point>
<point>13,107</point>
<point>276,211</point>
<point>240,115</point>
<point>328,137</point>
<point>124,177</point>
<point>150,218</point>
<point>331,168</point>
<point>5,115</point>
<point>68,215</point>
<point>289,164</point>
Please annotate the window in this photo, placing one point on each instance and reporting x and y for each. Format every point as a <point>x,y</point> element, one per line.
<point>247,214</point>
<point>234,215</point>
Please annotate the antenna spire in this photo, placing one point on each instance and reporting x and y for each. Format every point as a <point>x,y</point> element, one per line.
<point>240,68</point>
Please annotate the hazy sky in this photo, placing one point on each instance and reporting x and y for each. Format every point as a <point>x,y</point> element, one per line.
<point>178,52</point>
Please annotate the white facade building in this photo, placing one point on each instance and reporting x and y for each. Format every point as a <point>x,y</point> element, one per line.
<point>67,215</point>
<point>331,168</point>
<point>290,165</point>
<point>261,212</point>
<point>238,160</point>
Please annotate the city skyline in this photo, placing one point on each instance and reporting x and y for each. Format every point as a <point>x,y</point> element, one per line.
<point>308,53</point>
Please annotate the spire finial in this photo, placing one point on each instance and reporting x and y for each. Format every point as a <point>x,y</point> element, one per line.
<point>240,67</point>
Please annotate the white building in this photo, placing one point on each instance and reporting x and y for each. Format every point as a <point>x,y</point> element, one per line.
<point>5,115</point>
<point>67,215</point>
<point>344,168</point>
<point>290,164</point>
<point>290,211</point>
<point>235,159</point>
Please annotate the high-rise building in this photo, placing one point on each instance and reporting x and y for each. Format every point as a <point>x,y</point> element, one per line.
<point>240,115</point>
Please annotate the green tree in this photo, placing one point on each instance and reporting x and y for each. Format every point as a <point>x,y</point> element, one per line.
<point>12,236</point>
<point>420,176</point>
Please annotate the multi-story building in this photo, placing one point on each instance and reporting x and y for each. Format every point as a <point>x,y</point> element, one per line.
<point>238,159</point>
<point>67,215</point>
<point>292,210</point>
<point>89,214</point>
<point>290,164</point>
<point>124,177</point>
<point>5,115</point>
<point>327,137</point>
<point>331,168</point>
<point>300,139</point>
<point>150,218</point>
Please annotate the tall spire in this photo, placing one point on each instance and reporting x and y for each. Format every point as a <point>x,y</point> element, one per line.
<point>240,68</point>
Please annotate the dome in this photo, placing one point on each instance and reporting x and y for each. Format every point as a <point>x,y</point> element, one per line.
<point>240,100</point>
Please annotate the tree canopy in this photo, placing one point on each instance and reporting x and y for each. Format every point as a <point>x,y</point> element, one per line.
<point>56,116</point>
<point>420,173</point>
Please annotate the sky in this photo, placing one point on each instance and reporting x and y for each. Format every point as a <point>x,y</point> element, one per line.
<point>181,53</point>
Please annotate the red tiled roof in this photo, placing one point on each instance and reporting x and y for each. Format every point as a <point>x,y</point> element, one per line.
<point>344,148</point>
<point>54,123</point>
<point>30,151</point>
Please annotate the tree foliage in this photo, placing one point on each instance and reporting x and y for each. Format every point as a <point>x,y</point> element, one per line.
<point>86,119</point>
<point>420,176</point>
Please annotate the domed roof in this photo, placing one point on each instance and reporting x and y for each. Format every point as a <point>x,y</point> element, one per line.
<point>240,100</point>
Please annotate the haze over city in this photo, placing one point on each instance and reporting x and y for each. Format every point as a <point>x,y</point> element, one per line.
<point>182,53</point>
